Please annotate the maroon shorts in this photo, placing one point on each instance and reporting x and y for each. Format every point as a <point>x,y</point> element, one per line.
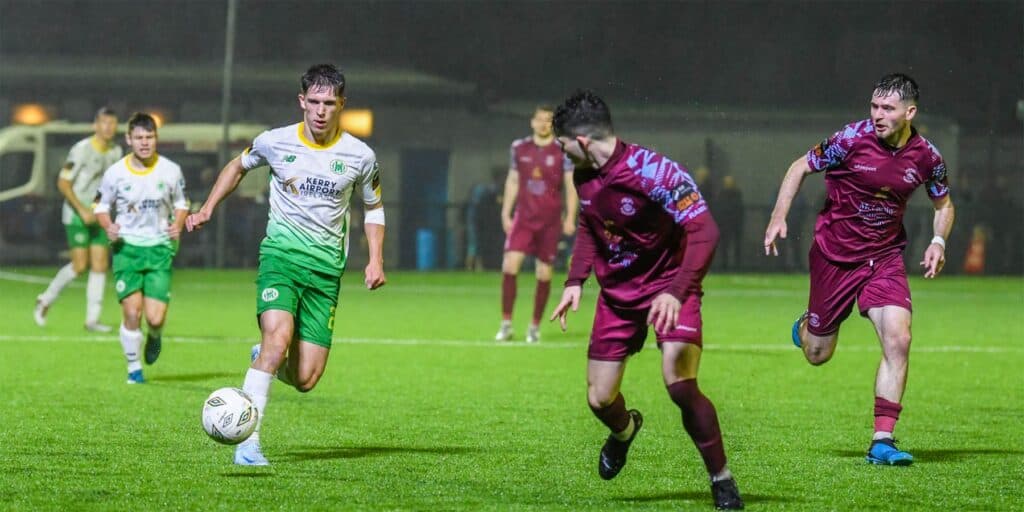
<point>541,243</point>
<point>834,287</point>
<point>618,333</point>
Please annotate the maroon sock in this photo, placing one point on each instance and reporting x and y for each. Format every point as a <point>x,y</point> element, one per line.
<point>614,416</point>
<point>508,295</point>
<point>886,414</point>
<point>701,422</point>
<point>540,300</point>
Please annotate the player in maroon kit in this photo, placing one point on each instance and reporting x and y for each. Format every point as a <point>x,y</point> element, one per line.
<point>647,233</point>
<point>538,174</point>
<point>871,169</point>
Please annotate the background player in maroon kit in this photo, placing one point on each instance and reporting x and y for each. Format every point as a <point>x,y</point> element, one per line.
<point>871,169</point>
<point>646,231</point>
<point>538,174</point>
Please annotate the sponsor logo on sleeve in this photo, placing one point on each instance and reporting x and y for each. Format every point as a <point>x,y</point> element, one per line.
<point>269,294</point>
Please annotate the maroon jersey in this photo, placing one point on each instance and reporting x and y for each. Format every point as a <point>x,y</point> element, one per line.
<point>868,185</point>
<point>643,227</point>
<point>541,179</point>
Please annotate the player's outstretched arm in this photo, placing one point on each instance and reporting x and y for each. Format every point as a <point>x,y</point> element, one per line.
<point>572,206</point>
<point>935,254</point>
<point>798,170</point>
<point>108,225</point>
<point>375,277</point>
<point>508,199</point>
<point>227,181</point>
<point>570,300</point>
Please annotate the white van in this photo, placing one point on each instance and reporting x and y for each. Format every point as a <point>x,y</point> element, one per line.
<point>31,158</point>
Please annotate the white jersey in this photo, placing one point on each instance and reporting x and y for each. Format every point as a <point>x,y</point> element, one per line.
<point>143,200</point>
<point>310,189</point>
<point>84,167</point>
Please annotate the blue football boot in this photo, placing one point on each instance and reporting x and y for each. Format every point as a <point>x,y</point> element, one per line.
<point>136,377</point>
<point>884,451</point>
<point>249,454</point>
<point>796,329</point>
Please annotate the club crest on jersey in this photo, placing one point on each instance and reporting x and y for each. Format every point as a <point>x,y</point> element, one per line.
<point>813,320</point>
<point>269,294</point>
<point>910,176</point>
<point>337,167</point>
<point>627,207</point>
<point>550,160</point>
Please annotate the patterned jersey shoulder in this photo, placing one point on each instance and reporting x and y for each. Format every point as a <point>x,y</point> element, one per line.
<point>830,153</point>
<point>936,182</point>
<point>666,183</point>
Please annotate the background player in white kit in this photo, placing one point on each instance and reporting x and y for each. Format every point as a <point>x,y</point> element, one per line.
<point>87,242</point>
<point>315,167</point>
<point>146,193</point>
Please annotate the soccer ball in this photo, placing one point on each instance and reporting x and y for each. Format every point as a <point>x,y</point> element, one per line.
<point>229,417</point>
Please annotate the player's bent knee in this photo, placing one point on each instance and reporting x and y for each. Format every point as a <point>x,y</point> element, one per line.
<point>305,385</point>
<point>818,356</point>
<point>599,400</point>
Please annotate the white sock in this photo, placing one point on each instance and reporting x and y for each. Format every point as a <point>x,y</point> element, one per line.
<point>94,296</point>
<point>131,341</point>
<point>881,435</point>
<point>257,385</point>
<point>64,276</point>
<point>724,474</point>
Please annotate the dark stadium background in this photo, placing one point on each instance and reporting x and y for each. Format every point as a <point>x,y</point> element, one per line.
<point>739,88</point>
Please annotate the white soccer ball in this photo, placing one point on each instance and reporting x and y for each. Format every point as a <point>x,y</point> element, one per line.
<point>229,417</point>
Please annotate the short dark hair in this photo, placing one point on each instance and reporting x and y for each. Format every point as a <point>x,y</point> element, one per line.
<point>105,111</point>
<point>324,75</point>
<point>141,120</point>
<point>900,84</point>
<point>583,113</point>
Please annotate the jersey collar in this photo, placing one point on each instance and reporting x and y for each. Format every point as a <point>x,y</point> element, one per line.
<point>312,143</point>
<point>139,172</point>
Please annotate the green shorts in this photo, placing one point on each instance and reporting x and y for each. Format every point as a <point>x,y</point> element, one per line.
<point>310,296</point>
<point>81,236</point>
<point>146,269</point>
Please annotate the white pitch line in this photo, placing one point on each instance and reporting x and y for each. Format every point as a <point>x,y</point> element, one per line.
<point>738,347</point>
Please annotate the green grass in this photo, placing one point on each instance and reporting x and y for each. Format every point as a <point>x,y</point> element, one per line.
<point>420,410</point>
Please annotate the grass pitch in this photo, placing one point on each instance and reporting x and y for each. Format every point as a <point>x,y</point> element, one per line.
<point>420,410</point>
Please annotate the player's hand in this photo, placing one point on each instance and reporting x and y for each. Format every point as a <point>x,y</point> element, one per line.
<point>776,229</point>
<point>196,220</point>
<point>664,314</point>
<point>113,232</point>
<point>506,224</point>
<point>375,275</point>
<point>87,217</point>
<point>570,299</point>
<point>568,227</point>
<point>174,231</point>
<point>934,260</point>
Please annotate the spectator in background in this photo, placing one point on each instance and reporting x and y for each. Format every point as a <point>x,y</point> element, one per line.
<point>728,208</point>
<point>483,228</point>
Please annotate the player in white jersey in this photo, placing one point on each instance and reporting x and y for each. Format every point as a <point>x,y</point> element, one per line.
<point>87,243</point>
<point>315,167</point>
<point>146,194</point>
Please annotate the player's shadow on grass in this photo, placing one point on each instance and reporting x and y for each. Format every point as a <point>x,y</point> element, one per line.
<point>702,496</point>
<point>355,452</point>
<point>192,377</point>
<point>245,474</point>
<point>926,456</point>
